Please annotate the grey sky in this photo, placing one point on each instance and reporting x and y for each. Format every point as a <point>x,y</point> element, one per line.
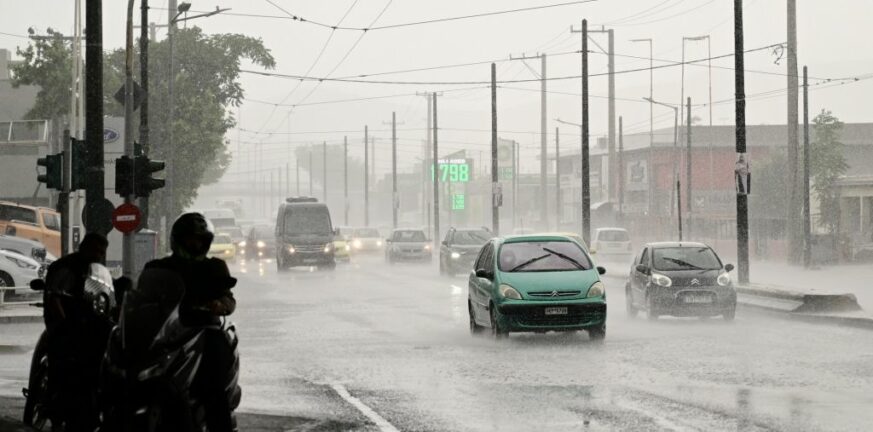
<point>833,41</point>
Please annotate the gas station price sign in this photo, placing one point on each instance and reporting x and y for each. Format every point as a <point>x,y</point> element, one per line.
<point>453,170</point>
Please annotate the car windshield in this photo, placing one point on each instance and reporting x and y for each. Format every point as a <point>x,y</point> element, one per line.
<point>471,238</point>
<point>685,258</point>
<point>222,239</point>
<point>307,220</point>
<point>613,236</point>
<point>540,256</point>
<point>234,232</point>
<point>262,231</point>
<point>367,233</point>
<point>409,236</point>
<point>17,213</point>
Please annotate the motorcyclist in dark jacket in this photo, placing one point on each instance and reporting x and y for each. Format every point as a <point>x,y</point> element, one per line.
<point>207,297</point>
<point>76,337</point>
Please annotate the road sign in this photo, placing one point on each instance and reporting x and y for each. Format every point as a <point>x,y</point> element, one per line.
<point>126,218</point>
<point>97,216</point>
<point>138,95</point>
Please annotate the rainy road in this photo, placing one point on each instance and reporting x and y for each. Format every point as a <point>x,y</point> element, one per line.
<point>388,347</point>
<point>378,347</point>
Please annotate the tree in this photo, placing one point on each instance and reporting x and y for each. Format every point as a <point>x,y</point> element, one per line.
<point>206,87</point>
<point>827,165</point>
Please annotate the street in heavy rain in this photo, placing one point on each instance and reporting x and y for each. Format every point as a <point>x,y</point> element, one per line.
<point>500,215</point>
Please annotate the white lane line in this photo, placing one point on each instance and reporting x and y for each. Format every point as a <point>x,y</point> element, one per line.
<point>380,421</point>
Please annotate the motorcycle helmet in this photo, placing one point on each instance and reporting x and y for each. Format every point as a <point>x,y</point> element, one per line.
<point>191,236</point>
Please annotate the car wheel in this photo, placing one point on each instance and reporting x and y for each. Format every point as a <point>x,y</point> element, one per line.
<point>281,266</point>
<point>597,334</point>
<point>496,331</point>
<point>730,313</point>
<point>629,303</point>
<point>651,311</point>
<point>6,280</point>
<point>475,329</point>
<point>442,268</point>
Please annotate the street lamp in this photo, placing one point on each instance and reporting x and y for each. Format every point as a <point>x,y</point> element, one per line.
<point>675,148</point>
<point>709,61</point>
<point>183,8</point>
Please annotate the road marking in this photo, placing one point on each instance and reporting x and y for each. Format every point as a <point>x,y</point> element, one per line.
<point>380,421</point>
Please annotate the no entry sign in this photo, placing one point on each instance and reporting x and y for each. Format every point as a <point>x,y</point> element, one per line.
<point>126,218</point>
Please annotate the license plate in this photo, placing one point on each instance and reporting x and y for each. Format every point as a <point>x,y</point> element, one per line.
<point>556,311</point>
<point>309,260</point>
<point>698,299</point>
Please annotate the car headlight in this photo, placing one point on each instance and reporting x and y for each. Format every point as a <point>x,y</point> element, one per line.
<point>661,280</point>
<point>455,255</point>
<point>356,244</point>
<point>427,247</point>
<point>348,248</point>
<point>328,248</point>
<point>378,242</point>
<point>724,279</point>
<point>261,244</point>
<point>509,292</point>
<point>291,249</point>
<point>21,263</point>
<point>242,243</point>
<point>597,289</point>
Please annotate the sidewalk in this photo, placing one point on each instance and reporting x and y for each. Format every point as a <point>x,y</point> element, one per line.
<point>854,279</point>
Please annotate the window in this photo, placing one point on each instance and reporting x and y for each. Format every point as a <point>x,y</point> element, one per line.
<point>644,258</point>
<point>473,237</point>
<point>52,221</point>
<point>9,212</point>
<point>485,257</point>
<point>685,258</point>
<point>409,236</point>
<point>367,233</point>
<point>535,256</point>
<point>613,236</point>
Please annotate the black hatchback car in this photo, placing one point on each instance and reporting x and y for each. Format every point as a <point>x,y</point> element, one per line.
<point>680,279</point>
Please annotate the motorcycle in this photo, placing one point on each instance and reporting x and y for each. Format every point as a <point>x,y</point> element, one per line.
<point>101,295</point>
<point>152,360</point>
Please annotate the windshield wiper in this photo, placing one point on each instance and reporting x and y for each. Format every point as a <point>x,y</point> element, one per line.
<point>683,263</point>
<point>566,258</point>
<point>529,262</point>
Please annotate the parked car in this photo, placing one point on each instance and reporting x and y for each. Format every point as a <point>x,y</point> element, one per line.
<point>367,240</point>
<point>40,224</point>
<point>28,248</point>
<point>17,270</point>
<point>222,247</point>
<point>459,249</point>
<point>680,279</point>
<point>408,245</point>
<point>536,283</point>
<point>611,243</point>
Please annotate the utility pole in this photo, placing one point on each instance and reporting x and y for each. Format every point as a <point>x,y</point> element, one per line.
<point>742,161</point>
<point>679,206</point>
<point>620,168</point>
<point>287,180</point>
<point>170,196</point>
<point>394,200</point>
<point>144,105</point>
<point>586,170</point>
<point>324,170</point>
<point>544,191</point>
<point>127,240</point>
<point>94,188</point>
<point>688,157</point>
<point>611,107</point>
<point>807,235</point>
<point>310,170</point>
<point>436,177</point>
<point>297,174</point>
<point>425,182</point>
<point>514,184</point>
<point>366,176</point>
<point>346,180</point>
<point>557,179</point>
<point>495,191</point>
<point>794,206</point>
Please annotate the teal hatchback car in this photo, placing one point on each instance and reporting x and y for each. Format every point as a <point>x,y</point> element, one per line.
<point>536,283</point>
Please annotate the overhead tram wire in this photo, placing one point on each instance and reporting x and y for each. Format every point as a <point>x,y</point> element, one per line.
<point>687,11</point>
<point>644,13</point>
<point>560,78</point>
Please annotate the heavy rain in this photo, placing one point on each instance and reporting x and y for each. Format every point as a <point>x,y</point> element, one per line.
<point>501,215</point>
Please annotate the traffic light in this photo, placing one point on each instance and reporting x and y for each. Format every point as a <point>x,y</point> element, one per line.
<point>78,165</point>
<point>54,164</point>
<point>124,169</point>
<point>144,184</point>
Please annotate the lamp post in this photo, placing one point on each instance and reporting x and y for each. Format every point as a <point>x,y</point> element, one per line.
<point>709,62</point>
<point>182,8</point>
<point>675,161</point>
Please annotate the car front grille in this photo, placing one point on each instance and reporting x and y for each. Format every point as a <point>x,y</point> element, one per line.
<point>572,319</point>
<point>549,294</point>
<point>689,282</point>
<point>316,248</point>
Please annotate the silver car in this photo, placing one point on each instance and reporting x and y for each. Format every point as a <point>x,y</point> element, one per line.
<point>408,245</point>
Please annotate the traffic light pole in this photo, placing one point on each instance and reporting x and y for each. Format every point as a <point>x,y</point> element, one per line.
<point>94,187</point>
<point>127,241</point>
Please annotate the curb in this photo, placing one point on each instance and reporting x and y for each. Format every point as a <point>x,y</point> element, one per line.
<point>834,309</point>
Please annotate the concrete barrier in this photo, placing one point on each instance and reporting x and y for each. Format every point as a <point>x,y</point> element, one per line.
<point>809,306</point>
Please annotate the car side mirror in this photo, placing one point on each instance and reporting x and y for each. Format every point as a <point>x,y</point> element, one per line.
<point>601,270</point>
<point>593,251</point>
<point>445,243</point>
<point>482,273</point>
<point>728,267</point>
<point>37,285</point>
<point>387,240</point>
<point>642,269</point>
